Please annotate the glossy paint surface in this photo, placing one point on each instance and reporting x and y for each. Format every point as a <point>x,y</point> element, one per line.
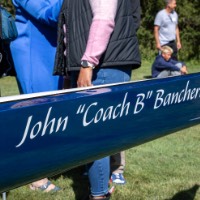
<point>49,134</point>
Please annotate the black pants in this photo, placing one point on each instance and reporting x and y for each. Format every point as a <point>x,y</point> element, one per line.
<point>173,45</point>
<point>6,61</point>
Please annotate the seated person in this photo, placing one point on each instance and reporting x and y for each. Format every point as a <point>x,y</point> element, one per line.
<point>165,66</point>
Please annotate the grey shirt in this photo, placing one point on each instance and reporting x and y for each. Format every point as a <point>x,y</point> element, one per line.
<point>167,23</point>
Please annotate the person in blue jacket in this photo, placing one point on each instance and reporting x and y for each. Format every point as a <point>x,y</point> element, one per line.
<point>165,66</point>
<point>33,53</point>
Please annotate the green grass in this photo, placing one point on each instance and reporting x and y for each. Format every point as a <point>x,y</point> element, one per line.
<point>8,86</point>
<point>163,169</point>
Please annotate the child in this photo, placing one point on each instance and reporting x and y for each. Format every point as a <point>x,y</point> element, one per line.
<point>165,66</point>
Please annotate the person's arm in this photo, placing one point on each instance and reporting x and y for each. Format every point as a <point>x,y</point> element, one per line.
<point>157,25</point>
<point>178,40</point>
<point>43,11</point>
<point>162,64</point>
<point>156,36</point>
<point>183,68</point>
<point>102,26</point>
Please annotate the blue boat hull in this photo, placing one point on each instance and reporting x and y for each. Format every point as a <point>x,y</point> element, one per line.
<point>45,134</point>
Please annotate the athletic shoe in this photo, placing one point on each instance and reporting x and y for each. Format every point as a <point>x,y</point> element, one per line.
<point>118,178</point>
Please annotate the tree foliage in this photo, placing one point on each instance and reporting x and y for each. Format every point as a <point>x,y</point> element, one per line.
<point>8,4</point>
<point>189,24</point>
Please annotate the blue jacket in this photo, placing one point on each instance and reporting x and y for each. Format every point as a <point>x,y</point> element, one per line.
<point>34,50</point>
<point>161,64</point>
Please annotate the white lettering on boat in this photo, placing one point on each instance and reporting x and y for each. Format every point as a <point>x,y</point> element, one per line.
<point>103,114</point>
<point>98,112</point>
<point>41,128</point>
<point>186,94</point>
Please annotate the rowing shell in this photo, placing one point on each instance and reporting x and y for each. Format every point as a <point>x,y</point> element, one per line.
<point>44,134</point>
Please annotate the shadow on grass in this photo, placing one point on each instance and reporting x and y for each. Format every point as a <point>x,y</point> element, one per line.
<point>147,77</point>
<point>188,194</point>
<point>80,182</point>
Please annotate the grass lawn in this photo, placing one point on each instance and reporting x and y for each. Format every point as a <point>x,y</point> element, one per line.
<point>163,169</point>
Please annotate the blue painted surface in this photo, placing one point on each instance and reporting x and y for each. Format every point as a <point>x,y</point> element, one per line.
<point>46,135</point>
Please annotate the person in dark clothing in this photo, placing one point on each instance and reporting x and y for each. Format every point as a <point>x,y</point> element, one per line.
<point>97,44</point>
<point>165,66</point>
<point>6,61</point>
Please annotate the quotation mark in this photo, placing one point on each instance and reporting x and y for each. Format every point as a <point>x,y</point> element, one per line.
<point>149,94</point>
<point>81,109</point>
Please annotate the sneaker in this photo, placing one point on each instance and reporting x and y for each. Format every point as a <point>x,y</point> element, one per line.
<point>118,178</point>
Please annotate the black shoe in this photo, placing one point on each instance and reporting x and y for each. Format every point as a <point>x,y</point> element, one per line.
<point>106,197</point>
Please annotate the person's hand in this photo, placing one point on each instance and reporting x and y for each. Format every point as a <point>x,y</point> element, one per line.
<point>184,70</point>
<point>85,77</point>
<point>179,45</point>
<point>158,46</point>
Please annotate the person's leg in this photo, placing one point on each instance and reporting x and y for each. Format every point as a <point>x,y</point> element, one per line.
<point>99,170</point>
<point>44,185</point>
<point>164,74</point>
<point>98,173</point>
<point>117,164</point>
<point>107,76</point>
<point>177,73</point>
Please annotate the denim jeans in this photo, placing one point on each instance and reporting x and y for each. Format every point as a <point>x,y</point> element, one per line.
<point>99,170</point>
<point>111,75</point>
